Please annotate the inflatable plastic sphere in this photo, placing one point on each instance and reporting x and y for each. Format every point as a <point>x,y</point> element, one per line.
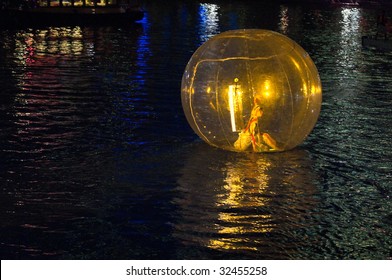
<point>251,90</point>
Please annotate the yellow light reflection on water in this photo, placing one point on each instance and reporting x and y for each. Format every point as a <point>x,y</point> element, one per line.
<point>40,54</point>
<point>235,203</point>
<point>245,189</point>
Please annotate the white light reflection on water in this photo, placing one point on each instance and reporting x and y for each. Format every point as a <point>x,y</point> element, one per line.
<point>350,43</point>
<point>209,21</point>
<point>284,19</point>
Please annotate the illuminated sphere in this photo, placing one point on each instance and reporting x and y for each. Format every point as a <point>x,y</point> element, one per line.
<point>251,90</point>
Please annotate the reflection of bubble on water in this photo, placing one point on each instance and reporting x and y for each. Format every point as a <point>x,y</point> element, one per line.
<point>243,202</point>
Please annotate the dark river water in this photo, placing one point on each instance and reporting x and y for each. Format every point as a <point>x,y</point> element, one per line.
<point>97,160</point>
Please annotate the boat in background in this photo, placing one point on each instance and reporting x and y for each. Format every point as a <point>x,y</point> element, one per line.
<point>342,3</point>
<point>380,44</point>
<point>72,12</point>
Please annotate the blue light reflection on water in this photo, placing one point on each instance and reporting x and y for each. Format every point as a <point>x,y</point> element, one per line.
<point>99,162</point>
<point>209,21</point>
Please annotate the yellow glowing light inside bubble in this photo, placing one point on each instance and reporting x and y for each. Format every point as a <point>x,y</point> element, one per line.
<point>266,88</point>
<point>235,104</point>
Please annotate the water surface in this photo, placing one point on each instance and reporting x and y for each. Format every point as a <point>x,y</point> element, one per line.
<point>98,161</point>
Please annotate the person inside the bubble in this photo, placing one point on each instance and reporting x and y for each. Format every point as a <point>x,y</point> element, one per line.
<point>252,136</point>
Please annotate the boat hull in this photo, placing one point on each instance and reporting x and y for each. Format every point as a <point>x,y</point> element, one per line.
<point>70,16</point>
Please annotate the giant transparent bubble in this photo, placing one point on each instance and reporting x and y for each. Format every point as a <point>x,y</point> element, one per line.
<point>251,90</point>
